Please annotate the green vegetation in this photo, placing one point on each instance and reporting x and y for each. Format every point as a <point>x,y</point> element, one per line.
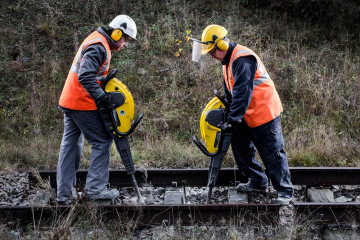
<point>310,48</point>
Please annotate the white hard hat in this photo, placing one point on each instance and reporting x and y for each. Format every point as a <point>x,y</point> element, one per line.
<point>126,24</point>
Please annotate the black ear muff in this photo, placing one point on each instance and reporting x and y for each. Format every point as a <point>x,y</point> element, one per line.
<point>116,34</point>
<point>222,45</point>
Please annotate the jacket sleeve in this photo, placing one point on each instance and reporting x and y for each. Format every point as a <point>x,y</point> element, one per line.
<point>92,59</point>
<point>244,69</point>
<point>226,93</point>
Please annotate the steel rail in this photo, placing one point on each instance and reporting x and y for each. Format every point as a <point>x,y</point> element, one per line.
<point>314,176</point>
<point>188,214</point>
<point>328,213</point>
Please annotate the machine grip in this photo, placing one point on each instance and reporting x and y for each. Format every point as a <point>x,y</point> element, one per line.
<point>108,77</point>
<point>132,128</point>
<point>203,148</point>
<point>123,147</point>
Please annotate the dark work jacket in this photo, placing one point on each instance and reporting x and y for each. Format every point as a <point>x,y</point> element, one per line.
<point>244,69</point>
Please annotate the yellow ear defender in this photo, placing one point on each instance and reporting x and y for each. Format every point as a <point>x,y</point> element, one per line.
<point>116,34</point>
<point>222,44</point>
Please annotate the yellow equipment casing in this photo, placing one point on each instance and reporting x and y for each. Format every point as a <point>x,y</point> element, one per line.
<point>209,132</point>
<point>125,111</point>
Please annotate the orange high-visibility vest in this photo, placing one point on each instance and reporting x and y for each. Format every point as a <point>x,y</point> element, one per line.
<point>74,96</point>
<point>265,104</point>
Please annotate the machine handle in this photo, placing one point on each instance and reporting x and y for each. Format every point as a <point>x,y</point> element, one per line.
<point>132,128</point>
<point>108,77</point>
<point>203,148</point>
<point>221,98</point>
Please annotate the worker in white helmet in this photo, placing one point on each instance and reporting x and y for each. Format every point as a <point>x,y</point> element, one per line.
<point>78,100</point>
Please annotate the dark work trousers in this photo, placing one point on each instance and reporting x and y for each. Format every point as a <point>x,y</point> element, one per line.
<point>268,141</point>
<point>77,125</point>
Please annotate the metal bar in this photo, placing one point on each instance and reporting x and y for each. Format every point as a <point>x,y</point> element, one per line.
<point>325,175</point>
<point>329,213</point>
<point>227,176</point>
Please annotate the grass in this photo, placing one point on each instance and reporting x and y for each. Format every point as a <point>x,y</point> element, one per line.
<point>311,56</point>
<point>87,222</point>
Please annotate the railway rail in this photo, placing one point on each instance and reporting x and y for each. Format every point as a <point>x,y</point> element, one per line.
<point>189,214</point>
<point>314,176</point>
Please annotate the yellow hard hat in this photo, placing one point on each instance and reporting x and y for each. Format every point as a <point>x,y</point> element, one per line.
<point>211,35</point>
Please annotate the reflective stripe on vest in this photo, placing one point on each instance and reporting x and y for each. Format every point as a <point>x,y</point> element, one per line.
<point>265,102</point>
<point>74,96</point>
<point>76,65</point>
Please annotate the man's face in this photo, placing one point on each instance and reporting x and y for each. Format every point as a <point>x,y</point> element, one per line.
<point>123,42</point>
<point>217,54</point>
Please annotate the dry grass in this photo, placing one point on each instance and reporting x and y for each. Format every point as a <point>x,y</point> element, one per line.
<point>87,222</point>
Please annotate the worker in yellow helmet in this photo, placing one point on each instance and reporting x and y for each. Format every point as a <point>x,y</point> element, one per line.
<point>254,116</point>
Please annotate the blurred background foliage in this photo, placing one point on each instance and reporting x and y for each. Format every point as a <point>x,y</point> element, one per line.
<point>310,49</point>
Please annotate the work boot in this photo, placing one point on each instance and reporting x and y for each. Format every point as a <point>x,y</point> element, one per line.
<point>105,194</point>
<point>282,200</point>
<point>243,187</point>
<point>76,198</point>
<point>65,202</point>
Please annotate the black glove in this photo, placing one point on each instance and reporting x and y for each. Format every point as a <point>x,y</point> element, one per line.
<point>104,102</point>
<point>227,127</point>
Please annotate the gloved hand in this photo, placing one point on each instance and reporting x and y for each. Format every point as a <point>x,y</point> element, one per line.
<point>104,102</point>
<point>227,127</point>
